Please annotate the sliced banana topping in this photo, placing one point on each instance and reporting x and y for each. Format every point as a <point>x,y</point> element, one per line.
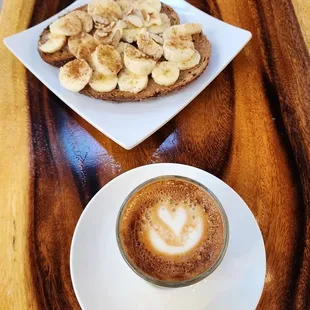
<point>178,44</point>
<point>107,60</point>
<point>85,50</point>
<point>182,30</point>
<point>68,25</point>
<point>128,81</point>
<point>130,35</point>
<point>148,46</point>
<point>165,73</point>
<point>103,83</point>
<point>137,62</point>
<point>150,6</point>
<point>75,75</point>
<point>120,48</point>
<point>101,40</point>
<point>74,42</point>
<point>54,43</point>
<point>178,49</point>
<point>191,63</point>
<point>85,18</point>
<point>165,24</point>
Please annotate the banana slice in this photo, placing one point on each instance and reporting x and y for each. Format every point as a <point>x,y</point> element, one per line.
<point>130,35</point>
<point>68,25</point>
<point>191,63</point>
<point>178,49</point>
<point>165,73</point>
<point>53,44</point>
<point>128,81</point>
<point>104,9</point>
<point>148,46</point>
<point>74,42</point>
<point>137,62</point>
<point>75,75</point>
<point>107,60</point>
<point>91,61</point>
<point>120,48</point>
<point>165,24</point>
<point>150,6</point>
<point>103,83</point>
<point>188,29</point>
<point>85,18</point>
<point>85,51</point>
<point>178,44</point>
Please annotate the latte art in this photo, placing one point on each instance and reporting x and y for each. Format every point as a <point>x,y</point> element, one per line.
<point>171,230</point>
<point>174,230</point>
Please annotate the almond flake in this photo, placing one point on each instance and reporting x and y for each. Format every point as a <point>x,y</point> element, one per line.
<point>135,20</point>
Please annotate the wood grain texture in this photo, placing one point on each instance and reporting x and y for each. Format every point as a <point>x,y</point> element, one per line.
<point>16,286</point>
<point>250,127</point>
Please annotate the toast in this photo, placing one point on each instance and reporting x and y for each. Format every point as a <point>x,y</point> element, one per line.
<point>61,57</point>
<point>153,90</point>
<point>202,45</point>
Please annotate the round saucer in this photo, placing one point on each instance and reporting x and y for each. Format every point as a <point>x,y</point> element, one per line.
<point>102,279</point>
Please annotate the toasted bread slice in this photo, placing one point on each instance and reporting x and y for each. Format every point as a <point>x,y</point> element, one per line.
<point>202,45</point>
<point>61,57</point>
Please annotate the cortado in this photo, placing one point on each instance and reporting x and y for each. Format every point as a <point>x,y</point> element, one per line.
<point>172,230</point>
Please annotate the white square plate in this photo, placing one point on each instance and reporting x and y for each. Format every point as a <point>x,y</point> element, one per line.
<point>128,124</point>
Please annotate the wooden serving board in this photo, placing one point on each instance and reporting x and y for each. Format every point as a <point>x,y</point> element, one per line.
<point>250,127</point>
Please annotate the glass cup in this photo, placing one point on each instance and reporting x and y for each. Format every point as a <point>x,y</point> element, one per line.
<point>175,284</point>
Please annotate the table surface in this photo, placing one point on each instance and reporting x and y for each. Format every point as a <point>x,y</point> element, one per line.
<point>250,127</point>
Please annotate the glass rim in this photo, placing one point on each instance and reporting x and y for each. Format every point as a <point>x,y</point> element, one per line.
<point>174,284</point>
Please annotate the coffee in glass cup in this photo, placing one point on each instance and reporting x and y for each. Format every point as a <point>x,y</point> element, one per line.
<point>172,231</point>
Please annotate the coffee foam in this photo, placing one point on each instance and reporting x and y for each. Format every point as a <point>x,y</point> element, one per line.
<point>175,229</point>
<point>171,230</point>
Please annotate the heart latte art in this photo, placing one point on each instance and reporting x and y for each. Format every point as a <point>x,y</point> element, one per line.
<point>171,230</point>
<point>174,229</point>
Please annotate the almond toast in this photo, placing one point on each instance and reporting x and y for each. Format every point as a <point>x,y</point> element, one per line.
<point>152,89</point>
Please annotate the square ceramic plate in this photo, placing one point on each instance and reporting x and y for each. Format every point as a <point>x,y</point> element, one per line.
<point>128,124</point>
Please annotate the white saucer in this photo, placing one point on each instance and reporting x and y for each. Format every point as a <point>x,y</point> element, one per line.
<point>102,280</point>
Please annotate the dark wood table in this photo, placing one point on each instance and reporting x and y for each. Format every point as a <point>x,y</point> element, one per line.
<point>250,127</point>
